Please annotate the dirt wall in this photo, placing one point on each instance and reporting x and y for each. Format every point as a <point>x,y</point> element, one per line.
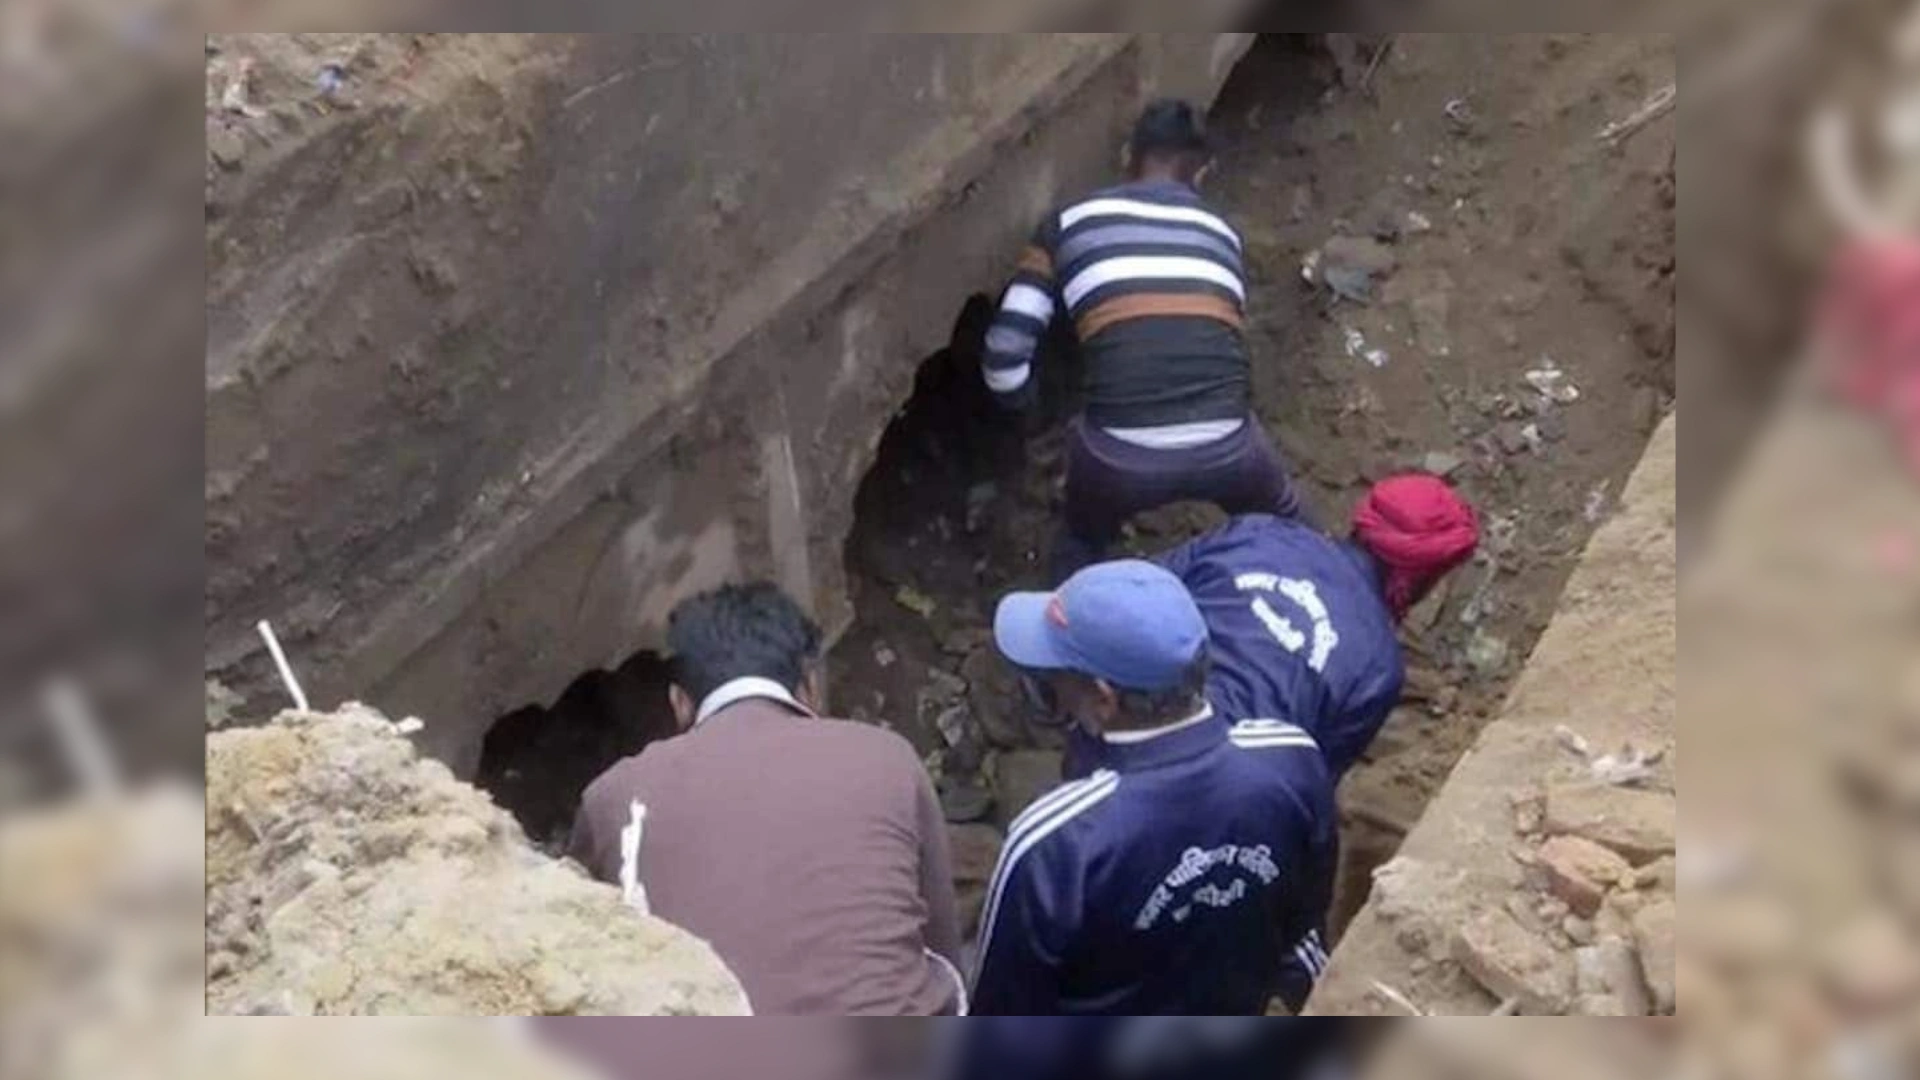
<point>514,340</point>
<point>1602,677</point>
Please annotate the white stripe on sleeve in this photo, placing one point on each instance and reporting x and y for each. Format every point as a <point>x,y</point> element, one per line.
<point>1028,300</point>
<point>1259,742</point>
<point>1031,828</point>
<point>1007,380</point>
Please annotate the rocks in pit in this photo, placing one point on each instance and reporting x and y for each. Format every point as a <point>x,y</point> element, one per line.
<point>1350,267</point>
<point>1020,777</point>
<point>975,848</point>
<point>993,695</point>
<point>965,797</point>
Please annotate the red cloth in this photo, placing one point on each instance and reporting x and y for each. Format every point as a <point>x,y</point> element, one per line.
<point>1419,528</point>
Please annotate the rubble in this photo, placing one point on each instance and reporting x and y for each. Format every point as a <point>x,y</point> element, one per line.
<point>1515,963</point>
<point>342,877</point>
<point>1351,266</point>
<point>994,698</point>
<point>975,848</point>
<point>1607,976</point>
<point>1580,872</point>
<point>1020,777</point>
<point>1653,935</point>
<point>1638,824</point>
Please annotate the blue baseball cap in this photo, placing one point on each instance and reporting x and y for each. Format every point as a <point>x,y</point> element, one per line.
<point>1130,623</point>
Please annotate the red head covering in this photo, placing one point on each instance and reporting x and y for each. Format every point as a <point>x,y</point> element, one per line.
<point>1419,528</point>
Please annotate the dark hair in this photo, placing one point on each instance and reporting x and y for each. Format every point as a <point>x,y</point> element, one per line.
<point>1152,708</point>
<point>737,631</point>
<point>1170,128</point>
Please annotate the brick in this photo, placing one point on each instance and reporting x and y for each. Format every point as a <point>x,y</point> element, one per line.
<point>1637,824</point>
<point>1513,962</point>
<point>1653,936</point>
<point>1579,872</point>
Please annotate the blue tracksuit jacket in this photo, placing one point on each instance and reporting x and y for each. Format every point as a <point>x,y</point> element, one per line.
<point>1189,875</point>
<point>1298,629</point>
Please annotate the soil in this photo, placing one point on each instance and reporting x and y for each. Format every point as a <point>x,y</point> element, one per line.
<point>1523,244</point>
<point>341,870</point>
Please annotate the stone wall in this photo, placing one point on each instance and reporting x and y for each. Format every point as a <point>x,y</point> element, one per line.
<point>515,340</point>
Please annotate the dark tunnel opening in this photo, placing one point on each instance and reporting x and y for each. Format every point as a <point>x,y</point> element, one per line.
<point>537,761</point>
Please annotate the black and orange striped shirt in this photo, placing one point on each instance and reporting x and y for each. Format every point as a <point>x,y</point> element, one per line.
<point>1155,284</point>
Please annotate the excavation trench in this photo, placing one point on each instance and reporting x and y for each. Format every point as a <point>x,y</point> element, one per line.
<point>959,505</point>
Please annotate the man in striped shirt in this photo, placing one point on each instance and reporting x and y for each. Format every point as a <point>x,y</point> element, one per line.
<point>1155,284</point>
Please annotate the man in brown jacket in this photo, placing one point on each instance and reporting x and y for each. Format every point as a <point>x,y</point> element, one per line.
<point>811,853</point>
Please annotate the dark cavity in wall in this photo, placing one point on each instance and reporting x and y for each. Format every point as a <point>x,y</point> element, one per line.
<point>536,761</point>
<point>955,509</point>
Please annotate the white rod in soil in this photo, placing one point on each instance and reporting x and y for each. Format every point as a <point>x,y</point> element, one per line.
<point>286,670</point>
<point>78,731</point>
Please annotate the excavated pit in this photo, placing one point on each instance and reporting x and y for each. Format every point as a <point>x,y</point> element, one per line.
<point>1517,245</point>
<point>952,513</point>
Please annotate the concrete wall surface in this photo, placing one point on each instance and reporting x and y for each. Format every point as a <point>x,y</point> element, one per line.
<point>524,338</point>
<point>1603,670</point>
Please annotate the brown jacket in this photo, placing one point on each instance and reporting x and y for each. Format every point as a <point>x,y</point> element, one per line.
<point>811,854</point>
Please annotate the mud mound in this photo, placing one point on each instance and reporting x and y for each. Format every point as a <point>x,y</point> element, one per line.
<point>100,939</point>
<point>345,875</point>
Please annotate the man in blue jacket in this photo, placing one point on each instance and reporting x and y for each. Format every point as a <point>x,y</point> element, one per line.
<point>1192,873</point>
<point>1303,625</point>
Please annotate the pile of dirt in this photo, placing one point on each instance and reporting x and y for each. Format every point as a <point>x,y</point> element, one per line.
<point>101,909</point>
<point>100,929</point>
<point>346,875</point>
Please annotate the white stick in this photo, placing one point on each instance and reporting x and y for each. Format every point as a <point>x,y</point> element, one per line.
<point>286,670</point>
<point>1395,997</point>
<point>79,734</point>
<point>1654,107</point>
<point>634,893</point>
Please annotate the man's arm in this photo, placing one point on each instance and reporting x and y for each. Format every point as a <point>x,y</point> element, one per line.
<point>936,872</point>
<point>1032,913</point>
<point>1026,309</point>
